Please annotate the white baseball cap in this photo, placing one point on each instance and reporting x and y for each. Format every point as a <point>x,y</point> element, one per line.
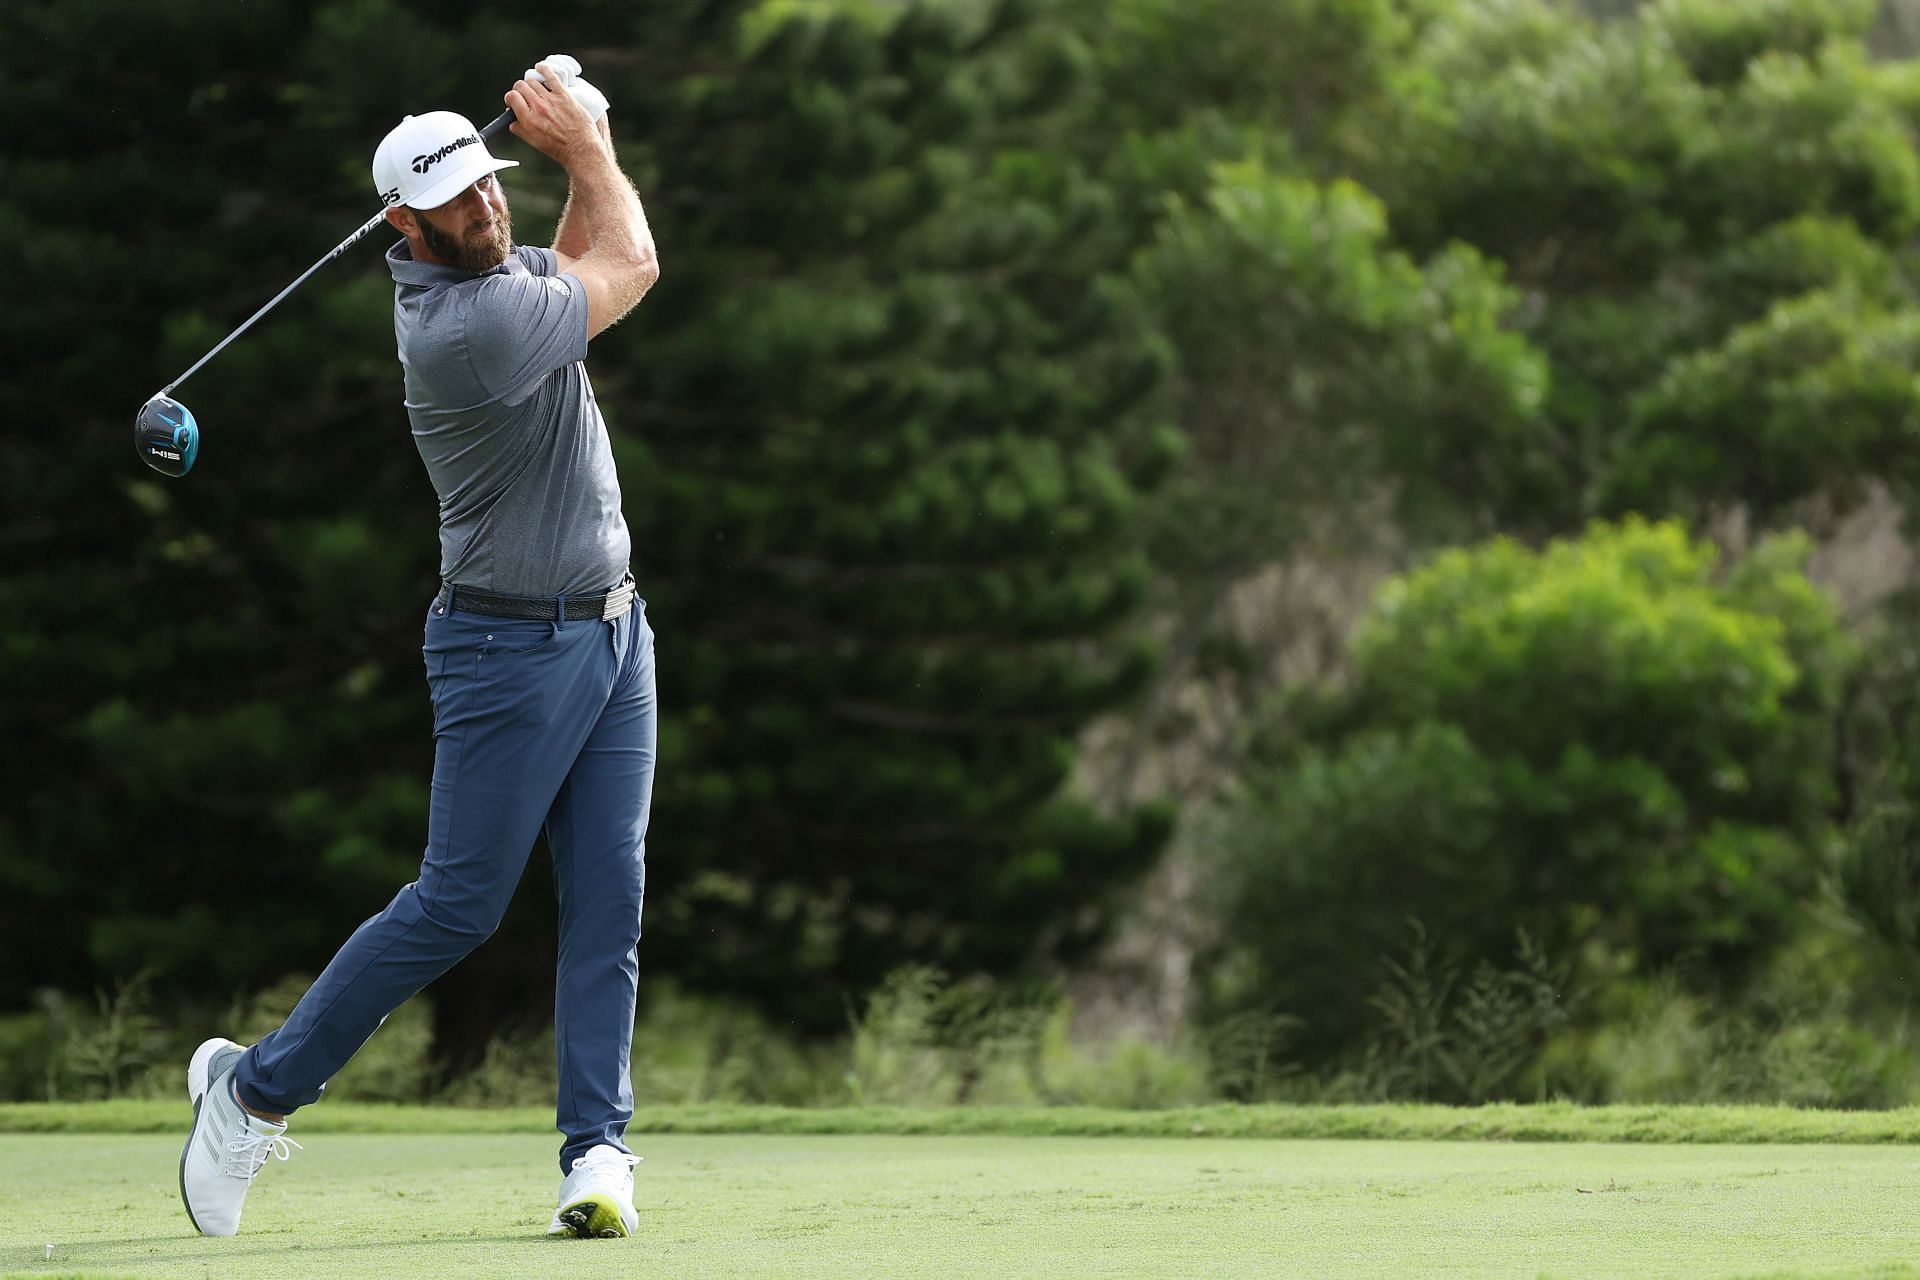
<point>428,160</point>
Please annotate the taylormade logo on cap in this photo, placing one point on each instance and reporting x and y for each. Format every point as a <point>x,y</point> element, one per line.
<point>423,163</point>
<point>429,159</point>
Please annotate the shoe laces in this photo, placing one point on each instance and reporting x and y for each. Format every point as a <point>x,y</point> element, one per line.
<point>249,1151</point>
<point>604,1155</point>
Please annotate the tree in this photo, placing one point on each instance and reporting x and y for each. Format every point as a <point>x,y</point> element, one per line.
<point>208,691</point>
<point>882,429</point>
<point>1317,362</point>
<point>1695,194</point>
<point>1609,743</point>
<point>897,417</point>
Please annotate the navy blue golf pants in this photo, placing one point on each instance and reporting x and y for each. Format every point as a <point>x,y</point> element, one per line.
<point>535,724</point>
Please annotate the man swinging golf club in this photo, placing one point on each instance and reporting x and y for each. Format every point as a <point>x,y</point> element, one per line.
<point>539,658</point>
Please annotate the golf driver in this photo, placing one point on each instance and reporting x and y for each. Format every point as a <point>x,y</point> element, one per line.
<point>165,433</point>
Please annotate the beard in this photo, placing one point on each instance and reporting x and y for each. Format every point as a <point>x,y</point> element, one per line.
<point>478,251</point>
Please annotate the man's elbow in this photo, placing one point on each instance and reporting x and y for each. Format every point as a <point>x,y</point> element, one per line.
<point>646,274</point>
<point>639,278</point>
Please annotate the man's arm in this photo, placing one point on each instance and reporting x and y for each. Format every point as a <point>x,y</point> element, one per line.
<point>570,238</point>
<point>620,263</point>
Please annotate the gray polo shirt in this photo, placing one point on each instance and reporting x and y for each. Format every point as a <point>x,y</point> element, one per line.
<point>505,419</point>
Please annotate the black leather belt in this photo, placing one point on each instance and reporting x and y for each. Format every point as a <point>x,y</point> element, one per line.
<point>608,606</point>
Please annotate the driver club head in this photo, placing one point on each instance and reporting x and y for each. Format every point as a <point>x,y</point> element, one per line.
<point>166,437</point>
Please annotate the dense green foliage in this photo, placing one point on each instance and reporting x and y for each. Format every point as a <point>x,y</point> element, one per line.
<point>882,432</point>
<point>995,337</point>
<point>896,421</point>
<point>1674,780</point>
<point>1706,206</point>
<point>1599,743</point>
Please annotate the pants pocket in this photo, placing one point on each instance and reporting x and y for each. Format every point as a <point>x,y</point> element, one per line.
<point>505,637</point>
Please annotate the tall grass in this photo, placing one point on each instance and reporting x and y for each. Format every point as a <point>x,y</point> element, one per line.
<point>922,1040</point>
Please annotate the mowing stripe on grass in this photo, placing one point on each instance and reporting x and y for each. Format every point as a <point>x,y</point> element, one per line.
<point>1545,1122</point>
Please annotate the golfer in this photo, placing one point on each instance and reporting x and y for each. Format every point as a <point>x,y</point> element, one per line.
<point>538,654</point>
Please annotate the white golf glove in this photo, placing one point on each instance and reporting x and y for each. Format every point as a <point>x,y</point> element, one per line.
<point>583,93</point>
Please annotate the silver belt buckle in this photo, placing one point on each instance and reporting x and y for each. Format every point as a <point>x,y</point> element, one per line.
<point>619,600</point>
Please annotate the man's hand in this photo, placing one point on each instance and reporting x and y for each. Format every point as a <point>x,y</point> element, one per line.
<point>547,117</point>
<point>587,95</point>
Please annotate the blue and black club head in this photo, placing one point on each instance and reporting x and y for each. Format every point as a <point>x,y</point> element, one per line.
<point>166,437</point>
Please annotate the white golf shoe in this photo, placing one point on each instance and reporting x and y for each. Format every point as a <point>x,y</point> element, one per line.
<point>227,1145</point>
<point>596,1199</point>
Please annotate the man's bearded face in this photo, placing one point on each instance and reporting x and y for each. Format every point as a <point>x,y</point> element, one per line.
<point>473,232</point>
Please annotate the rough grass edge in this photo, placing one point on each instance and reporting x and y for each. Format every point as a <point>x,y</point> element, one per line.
<point>1506,1122</point>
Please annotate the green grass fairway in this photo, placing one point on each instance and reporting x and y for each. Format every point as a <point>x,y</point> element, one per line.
<point>368,1206</point>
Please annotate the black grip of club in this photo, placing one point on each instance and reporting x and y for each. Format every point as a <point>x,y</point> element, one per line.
<point>500,122</point>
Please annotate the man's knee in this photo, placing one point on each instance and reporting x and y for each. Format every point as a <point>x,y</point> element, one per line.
<point>464,919</point>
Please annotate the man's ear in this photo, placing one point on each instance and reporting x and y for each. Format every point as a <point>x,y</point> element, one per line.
<point>402,220</point>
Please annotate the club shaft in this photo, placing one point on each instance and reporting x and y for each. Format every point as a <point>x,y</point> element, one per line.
<point>331,254</point>
<point>500,122</point>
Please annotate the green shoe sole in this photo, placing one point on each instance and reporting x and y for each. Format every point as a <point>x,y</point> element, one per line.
<point>594,1218</point>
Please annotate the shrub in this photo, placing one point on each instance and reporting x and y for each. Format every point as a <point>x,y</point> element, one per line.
<point>1438,1038</point>
<point>1675,1047</point>
<point>1131,1072</point>
<point>395,1065</point>
<point>925,1041</point>
<point>1609,743</point>
<point>103,1052</point>
<point>691,1048</point>
<point>515,1071</point>
<point>26,1057</point>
